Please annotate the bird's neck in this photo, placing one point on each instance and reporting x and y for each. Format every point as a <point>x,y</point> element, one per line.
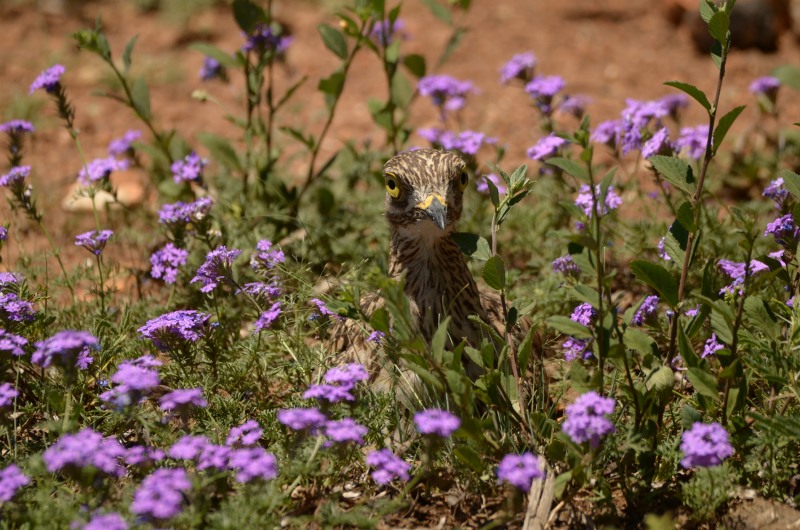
<point>438,282</point>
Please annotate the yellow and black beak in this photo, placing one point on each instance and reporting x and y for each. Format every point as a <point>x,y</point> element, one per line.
<point>435,207</point>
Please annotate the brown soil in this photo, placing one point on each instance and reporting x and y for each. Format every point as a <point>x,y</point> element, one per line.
<point>608,51</point>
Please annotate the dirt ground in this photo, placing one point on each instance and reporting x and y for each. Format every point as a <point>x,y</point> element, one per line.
<point>607,51</point>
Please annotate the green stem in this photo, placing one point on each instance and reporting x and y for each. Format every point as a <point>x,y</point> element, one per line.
<point>102,293</point>
<point>57,254</point>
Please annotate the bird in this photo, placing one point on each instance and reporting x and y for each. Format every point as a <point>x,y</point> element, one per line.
<point>424,201</point>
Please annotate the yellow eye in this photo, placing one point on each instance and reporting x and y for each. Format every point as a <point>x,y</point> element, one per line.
<point>462,183</point>
<point>392,187</point>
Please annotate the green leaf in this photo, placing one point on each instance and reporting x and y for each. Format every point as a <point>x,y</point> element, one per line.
<point>791,182</point>
<point>290,92</point>
<point>718,27</point>
<point>472,245</point>
<point>334,40</point>
<point>639,341</point>
<point>693,91</point>
<point>586,294</point>
<point>568,326</point>
<point>415,64</point>
<point>686,216</point>
<point>759,312</point>
<point>662,379</point>
<point>439,11</point>
<point>248,15</point>
<point>703,382</point>
<point>689,416</point>
<point>221,150</point>
<point>676,241</point>
<point>126,55</point>
<point>300,136</point>
<point>469,457</point>
<point>494,273</point>
<point>722,321</point>
<point>658,278</point>
<point>494,194</point>
<point>332,87</point>
<point>452,44</point>
<point>722,127</point>
<point>225,59</point>
<point>675,171</point>
<point>570,167</point>
<point>707,10</point>
<point>140,95</point>
<point>439,340</point>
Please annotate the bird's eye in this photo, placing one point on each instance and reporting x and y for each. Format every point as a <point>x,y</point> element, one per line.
<point>462,183</point>
<point>392,188</point>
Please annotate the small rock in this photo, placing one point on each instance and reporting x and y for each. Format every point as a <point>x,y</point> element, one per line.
<point>129,185</point>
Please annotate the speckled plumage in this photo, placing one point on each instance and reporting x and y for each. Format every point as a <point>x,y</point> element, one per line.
<point>422,216</point>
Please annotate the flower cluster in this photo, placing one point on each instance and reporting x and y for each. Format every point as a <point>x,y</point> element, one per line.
<point>339,384</point>
<point>705,445</point>
<point>712,346</point>
<point>777,192</point>
<point>49,80</point>
<point>11,344</point>
<point>566,266</point>
<point>385,31</point>
<point>211,68</point>
<point>520,470</point>
<point>15,309</point>
<point>266,40</point>
<point>100,169</point>
<point>121,146</point>
<point>179,214</point>
<point>543,89</point>
<point>785,231</point>
<point>736,272</point>
<point>106,521</point>
<point>217,268</point>
<point>585,201</point>
<point>94,241</point>
<point>521,66</point>
<point>583,314</point>
<point>166,262</point>
<point>387,466</point>
<point>173,331</point>
<point>161,494</point>
<point>67,349</point>
<point>446,92</point>
<point>466,142</point>
<point>189,169</point>
<point>12,479</point>
<point>546,147</point>
<point>183,399</point>
<point>7,395</point>
<point>14,180</point>
<point>436,422</point>
<point>646,311</point>
<point>266,257</point>
<point>586,418</point>
<point>85,449</point>
<point>134,379</point>
<point>482,185</point>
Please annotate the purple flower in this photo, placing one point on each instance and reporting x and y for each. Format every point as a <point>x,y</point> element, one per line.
<point>214,457</point>
<point>11,344</point>
<point>577,348</point>
<point>607,132</point>
<point>265,40</point>
<point>252,463</point>
<point>767,86</point>
<point>15,309</point>
<point>172,331</point>
<point>108,521</point>
<point>261,291</point>
<point>179,214</point>
<point>692,141</point>
<point>347,375</point>
<point>565,265</point>
<point>784,230</point>
<point>545,86</point>
<point>520,470</point>
<point>17,127</point>
<point>183,399</point>
<point>776,191</point>
<point>646,311</point>
<point>3,233</point>
<point>190,169</point>
<point>139,455</point>
<point>120,146</point>
<point>93,241</point>
<point>466,142</point>
<point>7,395</point>
<point>11,480</point>
<point>705,445</point>
<point>658,144</point>
<point>49,80</point>
<point>376,337</point>
<point>437,422</point>
<point>495,179</point>
<point>323,309</point>
<point>735,270</point>
<point>330,393</point>
<point>134,379</point>
<point>267,318</point>
<point>520,66</point>
<point>266,257</point>
<point>15,179</point>
<point>161,494</point>
<point>216,268</point>
<point>387,466</point>
<point>546,147</point>
<point>447,93</point>
<point>584,200</point>
<point>86,448</point>
<point>584,314</point>
<point>211,68</point>
<point>188,447</point>
<point>345,430</point>
<point>586,418</point>
<point>712,346</point>
<point>662,252</point>
<point>301,419</point>
<point>672,103</point>
<point>575,105</point>
<point>67,349</point>
<point>384,31</point>
<point>100,169</point>
<point>165,262</point>
<point>246,434</point>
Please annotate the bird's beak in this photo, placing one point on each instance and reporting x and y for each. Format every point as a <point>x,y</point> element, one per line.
<point>435,207</point>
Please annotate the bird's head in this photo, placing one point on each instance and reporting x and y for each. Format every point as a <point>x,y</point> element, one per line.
<point>424,190</point>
